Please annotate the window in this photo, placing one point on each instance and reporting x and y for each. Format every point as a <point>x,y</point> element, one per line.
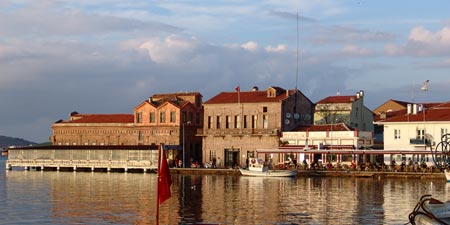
<point>140,136</point>
<point>443,131</point>
<point>420,134</point>
<point>197,118</point>
<point>264,109</point>
<point>152,117</point>
<point>139,117</point>
<point>227,122</point>
<point>396,134</point>
<point>191,117</point>
<point>356,112</point>
<point>209,122</point>
<point>212,155</point>
<point>218,122</point>
<point>162,117</point>
<point>237,122</point>
<point>245,121</point>
<point>254,121</point>
<point>265,121</point>
<point>172,116</point>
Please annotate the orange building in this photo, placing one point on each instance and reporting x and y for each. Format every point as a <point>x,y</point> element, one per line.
<point>171,119</point>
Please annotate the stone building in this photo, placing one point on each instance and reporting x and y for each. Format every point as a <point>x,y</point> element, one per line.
<point>237,123</point>
<point>171,119</point>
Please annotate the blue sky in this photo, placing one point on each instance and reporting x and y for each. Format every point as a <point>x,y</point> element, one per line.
<point>107,56</point>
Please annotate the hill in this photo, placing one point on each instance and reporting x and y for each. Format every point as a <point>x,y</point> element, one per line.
<point>9,141</point>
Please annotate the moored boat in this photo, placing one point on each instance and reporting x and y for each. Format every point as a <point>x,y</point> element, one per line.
<point>430,211</point>
<point>4,152</point>
<point>257,168</point>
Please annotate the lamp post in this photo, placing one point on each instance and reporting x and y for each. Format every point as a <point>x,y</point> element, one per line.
<point>184,149</point>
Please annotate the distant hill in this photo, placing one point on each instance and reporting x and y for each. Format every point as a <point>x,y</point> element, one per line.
<point>8,141</point>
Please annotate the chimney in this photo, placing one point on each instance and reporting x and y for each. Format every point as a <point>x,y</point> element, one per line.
<point>255,88</point>
<point>357,95</point>
<point>414,109</point>
<point>408,109</point>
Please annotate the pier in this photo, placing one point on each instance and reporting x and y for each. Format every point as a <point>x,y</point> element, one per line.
<point>140,158</point>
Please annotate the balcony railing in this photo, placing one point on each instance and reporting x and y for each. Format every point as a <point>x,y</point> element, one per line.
<point>419,141</point>
<point>248,131</point>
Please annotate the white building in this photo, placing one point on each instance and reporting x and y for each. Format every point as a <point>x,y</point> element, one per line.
<point>419,128</point>
<point>333,137</point>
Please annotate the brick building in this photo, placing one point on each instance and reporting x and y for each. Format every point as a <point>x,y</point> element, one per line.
<point>237,123</point>
<point>171,119</point>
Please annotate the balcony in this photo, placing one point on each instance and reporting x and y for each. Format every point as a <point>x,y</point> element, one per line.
<point>237,132</point>
<point>419,141</point>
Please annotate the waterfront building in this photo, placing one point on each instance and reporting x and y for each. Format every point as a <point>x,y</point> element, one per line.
<point>171,119</point>
<point>327,137</point>
<point>237,123</point>
<point>349,109</point>
<point>416,128</point>
<point>392,108</point>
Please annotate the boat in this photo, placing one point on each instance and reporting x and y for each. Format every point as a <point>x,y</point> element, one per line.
<point>257,168</point>
<point>4,152</point>
<point>430,211</point>
<point>447,175</point>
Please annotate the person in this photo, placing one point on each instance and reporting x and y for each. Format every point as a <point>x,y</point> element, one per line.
<point>214,163</point>
<point>219,162</point>
<point>295,163</point>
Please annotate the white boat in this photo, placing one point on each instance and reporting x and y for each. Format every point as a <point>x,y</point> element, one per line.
<point>430,211</point>
<point>447,175</point>
<point>257,168</point>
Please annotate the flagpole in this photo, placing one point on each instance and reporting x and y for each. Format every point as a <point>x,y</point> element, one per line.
<point>157,185</point>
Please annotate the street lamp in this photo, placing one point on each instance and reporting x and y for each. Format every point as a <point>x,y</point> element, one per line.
<point>184,152</point>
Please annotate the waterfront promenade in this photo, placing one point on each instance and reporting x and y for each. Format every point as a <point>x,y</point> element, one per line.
<point>321,173</point>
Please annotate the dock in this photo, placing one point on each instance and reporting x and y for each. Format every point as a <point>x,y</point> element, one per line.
<point>141,158</point>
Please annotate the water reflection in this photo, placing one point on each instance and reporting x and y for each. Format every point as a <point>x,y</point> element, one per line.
<point>30,197</point>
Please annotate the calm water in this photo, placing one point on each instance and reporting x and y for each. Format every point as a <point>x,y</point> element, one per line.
<point>34,197</point>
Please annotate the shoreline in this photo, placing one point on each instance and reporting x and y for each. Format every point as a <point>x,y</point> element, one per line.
<point>320,173</point>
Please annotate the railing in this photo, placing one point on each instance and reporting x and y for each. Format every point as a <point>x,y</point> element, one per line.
<point>236,131</point>
<point>88,158</point>
<point>419,141</point>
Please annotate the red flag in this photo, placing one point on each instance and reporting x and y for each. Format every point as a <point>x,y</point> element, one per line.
<point>238,89</point>
<point>164,179</point>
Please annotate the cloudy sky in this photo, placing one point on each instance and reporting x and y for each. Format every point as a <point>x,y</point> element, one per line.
<point>107,56</point>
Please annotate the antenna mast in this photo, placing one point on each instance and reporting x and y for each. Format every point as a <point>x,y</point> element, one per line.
<point>296,72</point>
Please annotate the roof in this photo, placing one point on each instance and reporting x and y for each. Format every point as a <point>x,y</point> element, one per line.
<point>337,99</point>
<point>102,118</point>
<point>439,112</point>
<point>249,96</point>
<point>325,127</point>
<point>176,99</point>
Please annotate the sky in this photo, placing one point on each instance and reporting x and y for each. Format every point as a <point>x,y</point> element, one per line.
<point>108,56</point>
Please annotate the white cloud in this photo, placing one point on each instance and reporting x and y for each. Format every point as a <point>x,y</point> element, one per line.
<point>423,42</point>
<point>250,46</point>
<point>278,48</point>
<point>172,49</point>
<point>355,50</point>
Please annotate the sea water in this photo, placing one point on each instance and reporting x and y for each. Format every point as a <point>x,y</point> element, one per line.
<point>51,197</point>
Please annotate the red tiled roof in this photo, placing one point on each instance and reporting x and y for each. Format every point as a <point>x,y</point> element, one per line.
<point>103,118</point>
<point>440,112</point>
<point>325,127</point>
<point>337,99</point>
<point>248,97</point>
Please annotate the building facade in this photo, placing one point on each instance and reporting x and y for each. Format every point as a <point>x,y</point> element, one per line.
<point>171,119</point>
<point>237,123</point>
<point>344,109</point>
<point>327,137</point>
<point>418,128</point>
